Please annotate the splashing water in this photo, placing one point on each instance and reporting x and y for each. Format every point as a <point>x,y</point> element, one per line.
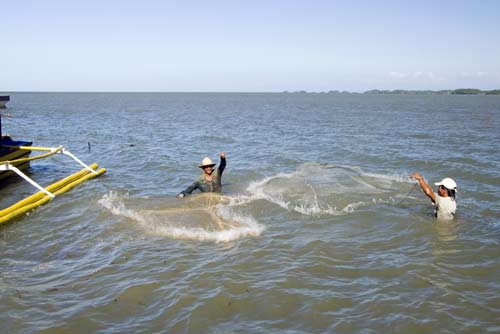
<point>312,190</point>
<point>202,217</point>
<point>315,189</point>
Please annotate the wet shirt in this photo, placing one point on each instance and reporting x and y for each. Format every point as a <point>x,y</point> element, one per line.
<point>208,186</point>
<point>445,207</point>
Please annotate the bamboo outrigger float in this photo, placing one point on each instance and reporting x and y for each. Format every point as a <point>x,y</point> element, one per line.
<point>15,157</point>
<point>45,194</point>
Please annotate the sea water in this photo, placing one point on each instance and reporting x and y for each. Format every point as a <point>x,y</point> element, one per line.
<point>318,229</point>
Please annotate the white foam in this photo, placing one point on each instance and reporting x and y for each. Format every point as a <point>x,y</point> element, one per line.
<point>311,190</point>
<point>114,203</point>
<point>257,191</point>
<point>341,182</point>
<point>198,233</point>
<point>238,225</point>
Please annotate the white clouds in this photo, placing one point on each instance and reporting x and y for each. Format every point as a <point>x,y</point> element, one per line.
<point>468,75</point>
<point>435,77</point>
<point>398,75</point>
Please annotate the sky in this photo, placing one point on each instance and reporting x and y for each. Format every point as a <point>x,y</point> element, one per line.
<point>248,46</point>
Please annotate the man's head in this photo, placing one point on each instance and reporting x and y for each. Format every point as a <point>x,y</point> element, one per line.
<point>207,165</point>
<point>447,187</point>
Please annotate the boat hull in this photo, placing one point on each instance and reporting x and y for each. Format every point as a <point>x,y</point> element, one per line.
<point>9,154</point>
<point>3,101</point>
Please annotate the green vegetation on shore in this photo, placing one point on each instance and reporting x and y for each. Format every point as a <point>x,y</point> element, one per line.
<point>460,91</point>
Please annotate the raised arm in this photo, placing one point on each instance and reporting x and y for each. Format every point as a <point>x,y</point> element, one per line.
<point>222,164</point>
<point>425,187</point>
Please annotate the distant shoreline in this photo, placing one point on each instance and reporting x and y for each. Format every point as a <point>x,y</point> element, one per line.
<point>460,91</point>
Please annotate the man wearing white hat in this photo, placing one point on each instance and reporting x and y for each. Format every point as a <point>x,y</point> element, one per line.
<point>209,180</point>
<point>444,199</point>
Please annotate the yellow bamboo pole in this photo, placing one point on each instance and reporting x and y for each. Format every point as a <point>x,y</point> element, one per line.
<point>78,181</point>
<point>28,200</point>
<point>24,209</point>
<point>56,188</point>
<point>51,188</point>
<point>14,154</point>
<point>32,148</point>
<point>41,156</point>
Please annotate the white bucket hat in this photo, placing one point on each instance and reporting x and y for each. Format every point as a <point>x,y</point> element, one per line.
<point>448,183</point>
<point>206,162</point>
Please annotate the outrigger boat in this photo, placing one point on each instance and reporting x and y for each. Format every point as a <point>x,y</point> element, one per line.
<point>15,157</point>
<point>9,153</point>
<point>3,100</point>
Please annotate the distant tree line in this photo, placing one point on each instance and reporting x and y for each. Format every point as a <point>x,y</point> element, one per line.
<point>460,91</point>
<point>476,91</point>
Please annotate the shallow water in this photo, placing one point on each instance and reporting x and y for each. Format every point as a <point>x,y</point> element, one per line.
<point>313,232</point>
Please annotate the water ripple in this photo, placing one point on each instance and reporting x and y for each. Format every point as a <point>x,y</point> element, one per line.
<point>309,235</point>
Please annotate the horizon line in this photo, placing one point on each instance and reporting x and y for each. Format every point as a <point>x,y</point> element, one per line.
<point>301,91</point>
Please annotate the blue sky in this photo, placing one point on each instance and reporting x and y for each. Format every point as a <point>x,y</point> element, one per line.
<point>262,46</point>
